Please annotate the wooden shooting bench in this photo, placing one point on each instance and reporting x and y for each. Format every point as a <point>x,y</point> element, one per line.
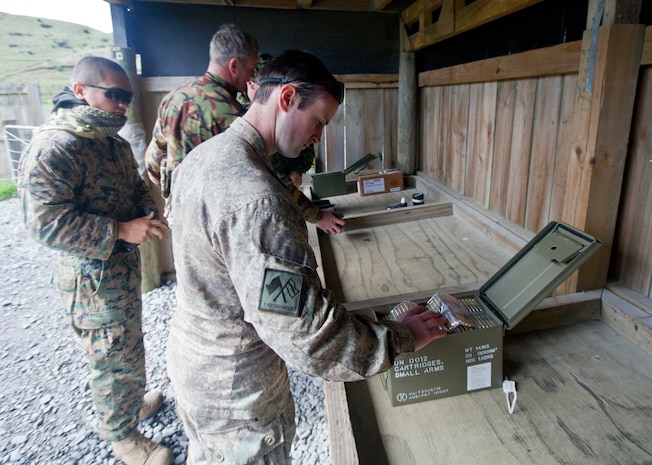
<point>584,390</point>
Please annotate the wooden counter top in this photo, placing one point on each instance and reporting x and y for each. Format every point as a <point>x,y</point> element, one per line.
<point>584,391</point>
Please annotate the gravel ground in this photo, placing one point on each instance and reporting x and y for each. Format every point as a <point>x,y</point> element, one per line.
<point>46,413</point>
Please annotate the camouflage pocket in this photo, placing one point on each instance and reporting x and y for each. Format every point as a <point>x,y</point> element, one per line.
<point>65,279</point>
<point>89,293</point>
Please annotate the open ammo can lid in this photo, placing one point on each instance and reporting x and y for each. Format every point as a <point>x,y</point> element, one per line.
<point>360,164</point>
<point>533,273</point>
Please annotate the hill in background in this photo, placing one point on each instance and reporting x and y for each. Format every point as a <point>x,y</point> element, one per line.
<point>43,51</point>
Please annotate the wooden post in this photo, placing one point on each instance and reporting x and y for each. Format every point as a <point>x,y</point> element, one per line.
<point>407,105</point>
<point>609,68</point>
<point>134,132</point>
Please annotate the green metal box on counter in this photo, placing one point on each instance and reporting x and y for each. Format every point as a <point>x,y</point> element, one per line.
<point>333,183</point>
<point>470,357</point>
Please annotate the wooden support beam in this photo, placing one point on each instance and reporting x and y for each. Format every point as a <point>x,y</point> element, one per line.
<point>547,61</point>
<point>484,11</point>
<point>379,5</point>
<point>646,56</point>
<point>608,76</point>
<point>407,132</point>
<point>412,13</point>
<point>455,17</point>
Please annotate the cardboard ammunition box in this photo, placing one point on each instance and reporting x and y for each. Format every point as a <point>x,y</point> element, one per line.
<point>380,183</point>
<point>469,359</point>
<point>333,183</point>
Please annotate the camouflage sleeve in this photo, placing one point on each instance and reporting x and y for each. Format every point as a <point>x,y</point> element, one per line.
<point>182,131</point>
<point>311,212</point>
<point>142,194</point>
<point>154,154</point>
<point>169,137</point>
<point>48,179</point>
<point>283,299</point>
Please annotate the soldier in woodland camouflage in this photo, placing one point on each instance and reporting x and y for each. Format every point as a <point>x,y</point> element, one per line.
<point>81,194</point>
<point>249,299</point>
<point>196,111</point>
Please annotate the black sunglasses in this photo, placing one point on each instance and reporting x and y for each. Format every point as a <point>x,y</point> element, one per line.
<point>335,88</point>
<point>114,93</point>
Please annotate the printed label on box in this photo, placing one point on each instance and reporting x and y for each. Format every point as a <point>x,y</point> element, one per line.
<point>478,376</point>
<point>373,186</point>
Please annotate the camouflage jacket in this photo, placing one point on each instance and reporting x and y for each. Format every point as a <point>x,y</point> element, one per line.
<point>249,298</point>
<point>75,185</point>
<point>187,116</point>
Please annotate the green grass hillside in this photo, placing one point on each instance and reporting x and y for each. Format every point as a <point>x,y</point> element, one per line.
<point>43,51</point>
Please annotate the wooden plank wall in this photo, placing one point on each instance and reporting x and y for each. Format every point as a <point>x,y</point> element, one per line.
<point>500,132</point>
<point>503,144</point>
<point>503,141</point>
<point>365,123</point>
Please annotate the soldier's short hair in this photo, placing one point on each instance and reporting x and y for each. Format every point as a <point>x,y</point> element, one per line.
<point>304,71</point>
<point>232,42</point>
<point>92,70</point>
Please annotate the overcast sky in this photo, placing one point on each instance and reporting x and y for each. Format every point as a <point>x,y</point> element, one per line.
<point>92,13</point>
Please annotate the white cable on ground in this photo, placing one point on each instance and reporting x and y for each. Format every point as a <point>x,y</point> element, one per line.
<point>509,387</point>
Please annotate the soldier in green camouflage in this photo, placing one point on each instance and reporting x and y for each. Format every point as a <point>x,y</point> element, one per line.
<point>249,299</point>
<point>82,195</point>
<point>196,111</point>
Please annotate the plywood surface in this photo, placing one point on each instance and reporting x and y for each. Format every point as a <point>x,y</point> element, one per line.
<point>584,397</point>
<point>398,259</point>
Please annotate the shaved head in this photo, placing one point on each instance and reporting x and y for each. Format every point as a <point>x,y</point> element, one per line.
<point>92,70</point>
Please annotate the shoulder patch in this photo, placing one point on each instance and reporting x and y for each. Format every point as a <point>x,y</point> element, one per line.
<point>281,292</point>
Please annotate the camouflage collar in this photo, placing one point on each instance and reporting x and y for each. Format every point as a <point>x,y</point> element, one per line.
<point>222,83</point>
<point>85,121</point>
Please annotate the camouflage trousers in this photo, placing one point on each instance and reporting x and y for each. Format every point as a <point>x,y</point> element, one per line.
<point>215,441</point>
<point>104,307</point>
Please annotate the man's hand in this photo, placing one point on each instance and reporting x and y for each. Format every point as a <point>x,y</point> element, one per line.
<point>330,223</point>
<point>141,229</point>
<point>424,325</point>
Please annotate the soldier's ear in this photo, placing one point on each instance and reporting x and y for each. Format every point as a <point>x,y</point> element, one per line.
<point>233,66</point>
<point>79,90</point>
<point>287,96</point>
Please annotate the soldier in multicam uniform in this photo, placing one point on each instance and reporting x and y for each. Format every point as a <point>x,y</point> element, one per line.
<point>82,195</point>
<point>196,111</point>
<point>249,299</point>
